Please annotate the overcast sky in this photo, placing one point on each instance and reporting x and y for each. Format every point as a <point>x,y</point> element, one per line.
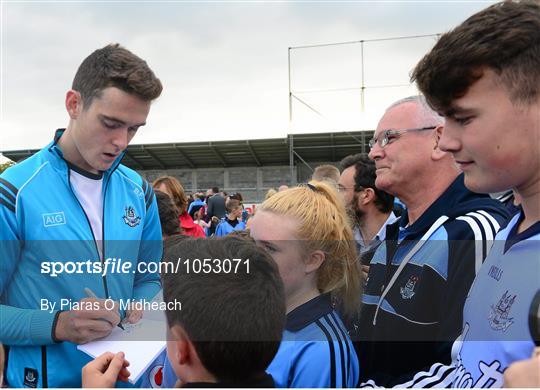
<point>223,64</point>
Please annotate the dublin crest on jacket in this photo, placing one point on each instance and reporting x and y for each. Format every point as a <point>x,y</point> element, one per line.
<point>407,292</point>
<point>130,218</point>
<point>498,317</point>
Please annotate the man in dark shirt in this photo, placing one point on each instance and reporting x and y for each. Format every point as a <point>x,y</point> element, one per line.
<point>216,208</point>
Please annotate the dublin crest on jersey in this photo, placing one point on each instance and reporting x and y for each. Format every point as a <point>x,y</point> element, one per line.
<point>407,292</point>
<point>130,218</point>
<point>499,316</point>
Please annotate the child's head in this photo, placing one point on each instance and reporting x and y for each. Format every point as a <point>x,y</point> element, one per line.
<point>172,187</point>
<point>234,208</point>
<point>196,212</point>
<point>484,76</point>
<point>306,231</point>
<point>232,317</point>
<point>168,214</point>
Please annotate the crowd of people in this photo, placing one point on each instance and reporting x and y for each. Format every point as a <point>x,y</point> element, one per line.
<point>395,269</point>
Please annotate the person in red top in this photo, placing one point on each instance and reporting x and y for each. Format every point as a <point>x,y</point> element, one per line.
<point>172,187</point>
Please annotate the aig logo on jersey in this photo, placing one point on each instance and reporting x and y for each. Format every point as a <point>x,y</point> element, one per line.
<point>130,218</point>
<point>499,316</point>
<point>407,292</point>
<point>54,219</point>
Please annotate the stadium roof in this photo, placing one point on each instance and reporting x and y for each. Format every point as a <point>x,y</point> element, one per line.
<point>306,148</point>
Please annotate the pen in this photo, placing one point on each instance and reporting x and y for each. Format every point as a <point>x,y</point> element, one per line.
<point>90,294</point>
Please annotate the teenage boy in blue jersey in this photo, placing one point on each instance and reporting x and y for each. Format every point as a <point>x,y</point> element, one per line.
<point>66,208</point>
<point>484,77</point>
<point>230,325</point>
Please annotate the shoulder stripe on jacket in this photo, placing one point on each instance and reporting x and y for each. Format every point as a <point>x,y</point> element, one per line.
<point>478,241</point>
<point>8,205</point>
<point>332,354</point>
<point>9,186</point>
<point>7,195</point>
<point>439,375</point>
<point>490,218</point>
<point>341,352</point>
<point>345,341</point>
<point>9,192</point>
<point>149,197</point>
<point>488,229</point>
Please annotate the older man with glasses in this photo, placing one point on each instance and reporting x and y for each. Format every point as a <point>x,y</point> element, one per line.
<point>419,277</point>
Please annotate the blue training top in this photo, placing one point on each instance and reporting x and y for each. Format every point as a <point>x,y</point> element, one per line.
<point>316,350</point>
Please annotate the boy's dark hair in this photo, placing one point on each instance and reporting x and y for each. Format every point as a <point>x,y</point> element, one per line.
<point>168,214</point>
<point>215,190</point>
<point>364,177</point>
<point>237,196</point>
<point>115,66</point>
<point>504,37</point>
<point>235,320</point>
<point>232,204</point>
<point>194,209</point>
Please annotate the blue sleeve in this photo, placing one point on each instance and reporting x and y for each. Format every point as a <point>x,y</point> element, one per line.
<point>315,368</point>
<point>150,251</point>
<point>240,226</point>
<point>17,326</point>
<point>314,364</point>
<point>221,230</point>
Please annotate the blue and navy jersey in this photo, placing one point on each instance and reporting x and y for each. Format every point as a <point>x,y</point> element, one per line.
<point>316,350</point>
<point>41,222</point>
<point>418,281</point>
<point>224,227</point>
<point>496,314</point>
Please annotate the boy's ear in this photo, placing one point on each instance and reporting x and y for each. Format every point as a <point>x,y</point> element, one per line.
<point>182,348</point>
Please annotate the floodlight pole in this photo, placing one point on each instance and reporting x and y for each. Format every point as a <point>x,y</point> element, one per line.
<point>362,90</point>
<point>290,137</point>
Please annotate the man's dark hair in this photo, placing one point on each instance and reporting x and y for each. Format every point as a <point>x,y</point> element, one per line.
<point>215,190</point>
<point>235,320</point>
<point>168,214</point>
<point>504,37</point>
<point>364,177</point>
<point>115,66</point>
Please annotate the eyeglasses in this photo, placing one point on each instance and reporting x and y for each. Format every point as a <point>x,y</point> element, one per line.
<point>385,137</point>
<point>342,188</point>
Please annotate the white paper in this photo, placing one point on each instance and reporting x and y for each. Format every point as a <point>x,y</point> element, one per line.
<point>141,343</point>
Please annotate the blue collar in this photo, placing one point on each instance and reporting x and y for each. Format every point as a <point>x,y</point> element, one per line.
<point>514,237</point>
<point>451,202</point>
<point>309,312</point>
